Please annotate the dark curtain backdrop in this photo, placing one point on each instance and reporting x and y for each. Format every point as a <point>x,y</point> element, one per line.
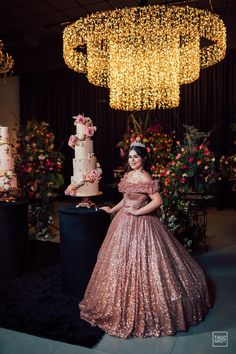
<point>55,96</point>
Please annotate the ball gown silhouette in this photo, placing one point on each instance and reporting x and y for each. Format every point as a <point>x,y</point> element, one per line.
<point>145,283</point>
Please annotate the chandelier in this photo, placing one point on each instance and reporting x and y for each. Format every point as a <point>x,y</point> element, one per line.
<point>6,62</point>
<point>144,54</point>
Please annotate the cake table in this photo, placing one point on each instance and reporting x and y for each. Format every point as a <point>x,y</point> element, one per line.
<point>14,238</point>
<point>82,232</point>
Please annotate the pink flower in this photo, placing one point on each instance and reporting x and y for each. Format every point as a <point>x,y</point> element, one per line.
<point>183,180</point>
<point>184,167</point>
<point>178,156</point>
<point>72,141</point>
<point>79,119</point>
<point>89,131</point>
<point>41,157</point>
<point>191,159</point>
<point>148,149</point>
<point>71,189</point>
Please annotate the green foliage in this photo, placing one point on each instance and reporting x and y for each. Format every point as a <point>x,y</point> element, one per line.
<point>39,169</point>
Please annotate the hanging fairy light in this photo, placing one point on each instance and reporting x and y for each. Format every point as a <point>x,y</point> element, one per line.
<point>144,54</point>
<point>6,63</point>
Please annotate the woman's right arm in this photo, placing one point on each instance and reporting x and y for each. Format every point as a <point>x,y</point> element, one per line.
<point>116,208</point>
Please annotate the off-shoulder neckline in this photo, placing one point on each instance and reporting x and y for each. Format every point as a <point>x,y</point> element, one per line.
<point>124,179</point>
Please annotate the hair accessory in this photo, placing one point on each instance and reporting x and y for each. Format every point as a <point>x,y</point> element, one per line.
<point>137,143</point>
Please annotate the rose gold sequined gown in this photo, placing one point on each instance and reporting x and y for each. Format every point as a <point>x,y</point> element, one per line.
<point>144,284</point>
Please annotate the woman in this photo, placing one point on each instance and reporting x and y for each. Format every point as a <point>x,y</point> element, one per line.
<point>145,283</point>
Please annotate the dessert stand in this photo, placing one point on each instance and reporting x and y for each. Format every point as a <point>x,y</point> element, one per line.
<point>86,202</point>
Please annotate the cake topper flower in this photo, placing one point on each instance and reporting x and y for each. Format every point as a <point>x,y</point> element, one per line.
<point>80,119</point>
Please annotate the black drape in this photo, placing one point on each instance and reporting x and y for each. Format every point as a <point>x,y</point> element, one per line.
<point>209,104</point>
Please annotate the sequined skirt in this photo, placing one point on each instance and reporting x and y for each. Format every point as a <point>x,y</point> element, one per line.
<point>145,283</point>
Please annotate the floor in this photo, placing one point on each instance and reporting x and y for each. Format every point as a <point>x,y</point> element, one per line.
<point>220,265</point>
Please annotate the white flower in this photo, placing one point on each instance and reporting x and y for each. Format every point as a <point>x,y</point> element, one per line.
<point>5,180</point>
<point>206,167</point>
<point>41,157</point>
<point>213,159</point>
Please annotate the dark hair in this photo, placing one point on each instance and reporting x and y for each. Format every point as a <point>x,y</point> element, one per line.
<point>142,152</point>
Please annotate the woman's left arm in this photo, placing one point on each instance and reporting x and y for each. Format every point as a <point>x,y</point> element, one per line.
<point>156,202</point>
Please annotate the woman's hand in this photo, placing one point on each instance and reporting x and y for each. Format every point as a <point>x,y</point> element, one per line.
<point>130,210</point>
<point>107,209</point>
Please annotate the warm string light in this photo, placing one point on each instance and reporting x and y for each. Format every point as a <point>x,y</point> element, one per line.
<point>6,62</point>
<point>144,54</point>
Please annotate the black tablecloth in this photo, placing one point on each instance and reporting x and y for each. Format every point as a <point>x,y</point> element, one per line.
<point>14,240</point>
<point>82,233</point>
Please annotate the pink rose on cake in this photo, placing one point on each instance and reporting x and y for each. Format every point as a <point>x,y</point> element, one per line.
<point>94,175</point>
<point>72,141</point>
<point>89,131</point>
<point>80,119</point>
<point>88,121</point>
<point>71,189</point>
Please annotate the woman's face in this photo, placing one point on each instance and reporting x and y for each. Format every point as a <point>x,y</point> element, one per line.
<point>135,161</point>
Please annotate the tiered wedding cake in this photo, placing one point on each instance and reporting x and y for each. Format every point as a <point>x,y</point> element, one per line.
<point>8,181</point>
<point>86,169</point>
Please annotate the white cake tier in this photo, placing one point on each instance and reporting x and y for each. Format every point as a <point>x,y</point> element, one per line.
<point>84,149</point>
<point>5,151</point>
<point>7,184</point>
<point>88,189</point>
<point>6,164</point>
<point>4,133</point>
<point>80,131</point>
<point>83,167</point>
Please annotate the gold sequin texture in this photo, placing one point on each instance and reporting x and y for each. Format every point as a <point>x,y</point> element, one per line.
<point>145,283</point>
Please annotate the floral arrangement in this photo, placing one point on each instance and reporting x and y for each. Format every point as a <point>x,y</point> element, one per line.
<point>5,182</point>
<point>227,163</point>
<point>39,169</point>
<point>191,167</point>
<point>228,166</point>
